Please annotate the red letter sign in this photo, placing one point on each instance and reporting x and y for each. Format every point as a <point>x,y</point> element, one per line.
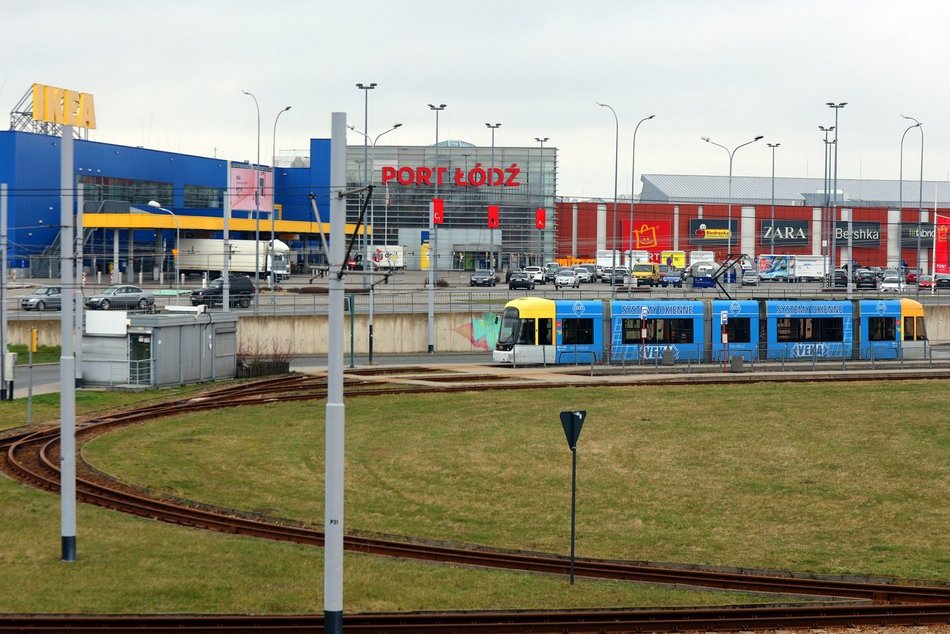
<point>492,216</point>
<point>438,210</point>
<point>539,220</point>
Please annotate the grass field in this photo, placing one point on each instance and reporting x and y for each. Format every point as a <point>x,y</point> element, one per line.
<point>833,477</point>
<point>830,478</point>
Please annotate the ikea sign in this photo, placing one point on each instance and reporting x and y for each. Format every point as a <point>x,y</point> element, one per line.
<point>63,107</point>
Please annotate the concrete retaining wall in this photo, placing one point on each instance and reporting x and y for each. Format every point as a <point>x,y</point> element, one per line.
<point>393,333</point>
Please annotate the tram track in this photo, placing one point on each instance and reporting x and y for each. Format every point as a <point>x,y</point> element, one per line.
<point>33,458</point>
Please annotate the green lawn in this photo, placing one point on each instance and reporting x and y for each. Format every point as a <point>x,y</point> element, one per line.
<point>827,477</point>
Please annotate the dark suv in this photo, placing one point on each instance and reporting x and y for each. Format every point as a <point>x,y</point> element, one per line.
<point>240,293</point>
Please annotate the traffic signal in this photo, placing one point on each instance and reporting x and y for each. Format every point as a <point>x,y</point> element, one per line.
<point>493,216</point>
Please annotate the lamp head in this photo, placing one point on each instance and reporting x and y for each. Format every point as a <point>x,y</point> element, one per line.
<point>286,109</point>
<point>540,140</point>
<point>397,125</point>
<point>441,106</point>
<point>650,117</point>
<point>154,203</point>
<point>758,137</point>
<point>364,87</point>
<point>705,138</point>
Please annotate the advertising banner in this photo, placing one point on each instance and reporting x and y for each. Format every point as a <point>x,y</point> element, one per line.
<point>909,234</point>
<point>941,244</point>
<point>863,234</point>
<point>242,189</point>
<point>776,267</point>
<point>648,235</point>
<point>704,232</point>
<point>785,232</point>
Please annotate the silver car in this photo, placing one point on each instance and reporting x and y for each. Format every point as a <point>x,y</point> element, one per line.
<point>121,297</point>
<point>566,277</point>
<point>45,297</point>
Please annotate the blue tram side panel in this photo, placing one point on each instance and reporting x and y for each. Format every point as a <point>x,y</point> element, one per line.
<point>881,329</point>
<point>742,328</point>
<point>579,335</point>
<point>807,329</point>
<point>670,325</point>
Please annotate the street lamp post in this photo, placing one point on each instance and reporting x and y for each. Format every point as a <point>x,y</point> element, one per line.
<point>834,191</point>
<point>154,204</point>
<point>541,195</point>
<point>372,287</point>
<point>365,88</point>
<point>491,230</point>
<point>633,182</point>
<point>826,204</point>
<point>731,153</point>
<point>257,207</point>
<point>920,192</point>
<point>773,146</point>
<point>430,324</point>
<point>273,238</point>
<point>613,284</point>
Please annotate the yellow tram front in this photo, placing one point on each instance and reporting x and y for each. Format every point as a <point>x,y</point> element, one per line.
<point>526,332</point>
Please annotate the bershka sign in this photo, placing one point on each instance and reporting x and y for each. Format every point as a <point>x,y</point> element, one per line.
<point>862,233</point>
<point>784,232</point>
<point>478,176</point>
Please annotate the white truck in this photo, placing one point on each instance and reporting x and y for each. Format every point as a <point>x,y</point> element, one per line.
<point>391,257</point>
<point>636,257</point>
<point>206,255</point>
<point>609,259</point>
<point>701,256</point>
<point>811,268</point>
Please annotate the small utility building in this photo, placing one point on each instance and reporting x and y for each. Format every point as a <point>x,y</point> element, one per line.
<point>158,350</point>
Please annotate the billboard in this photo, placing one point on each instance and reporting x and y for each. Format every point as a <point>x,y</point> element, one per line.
<point>648,235</point>
<point>941,244</point>
<point>704,232</point>
<point>784,232</point>
<point>242,189</point>
<point>863,234</point>
<point>909,231</point>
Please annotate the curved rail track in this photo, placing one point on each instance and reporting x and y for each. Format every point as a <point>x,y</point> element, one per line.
<point>33,458</point>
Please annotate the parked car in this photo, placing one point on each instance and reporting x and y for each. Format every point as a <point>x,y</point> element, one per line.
<point>121,297</point>
<point>941,280</point>
<point>483,277</point>
<point>592,271</point>
<point>750,278</point>
<point>911,277</point>
<point>647,273</point>
<point>620,276</point>
<point>583,275</point>
<point>536,273</point>
<point>240,292</point>
<point>550,272</point>
<point>925,281</point>
<point>566,277</point>
<point>45,297</point>
<point>864,278</point>
<point>840,278</point>
<point>672,278</point>
<point>521,279</point>
<point>607,274</point>
<point>892,284</point>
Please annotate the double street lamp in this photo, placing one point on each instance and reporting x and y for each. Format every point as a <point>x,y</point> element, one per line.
<point>773,146</point>
<point>372,173</point>
<point>633,182</point>
<point>430,322</point>
<point>834,191</point>
<point>731,153</point>
<point>613,284</point>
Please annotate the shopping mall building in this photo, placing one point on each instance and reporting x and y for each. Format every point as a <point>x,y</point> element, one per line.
<point>500,206</point>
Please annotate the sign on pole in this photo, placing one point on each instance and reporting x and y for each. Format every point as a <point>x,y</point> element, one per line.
<point>572,423</point>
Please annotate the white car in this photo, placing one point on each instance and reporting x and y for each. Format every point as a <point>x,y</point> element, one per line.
<point>536,273</point>
<point>892,284</point>
<point>566,277</point>
<point>582,273</point>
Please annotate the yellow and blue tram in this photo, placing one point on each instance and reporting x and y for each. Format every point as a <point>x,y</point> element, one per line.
<point>538,330</point>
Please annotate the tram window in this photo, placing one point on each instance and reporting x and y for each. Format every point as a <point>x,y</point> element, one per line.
<point>545,332</point>
<point>509,326</point>
<point>630,330</point>
<point>577,331</point>
<point>914,334</point>
<point>810,329</point>
<point>739,330</point>
<point>882,329</point>
<point>527,332</point>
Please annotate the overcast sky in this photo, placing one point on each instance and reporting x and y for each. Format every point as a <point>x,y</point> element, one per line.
<point>168,75</point>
